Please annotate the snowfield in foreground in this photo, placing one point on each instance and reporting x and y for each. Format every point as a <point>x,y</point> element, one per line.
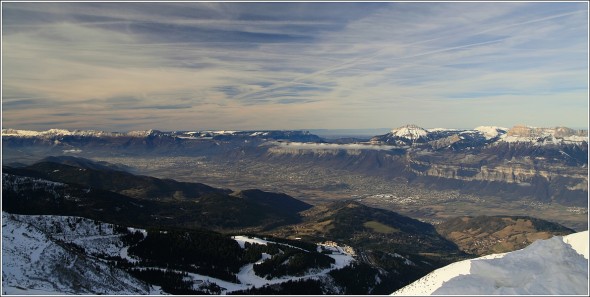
<point>556,266</point>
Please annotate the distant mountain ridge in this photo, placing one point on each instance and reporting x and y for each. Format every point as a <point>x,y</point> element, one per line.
<point>403,135</point>
<point>411,135</point>
<point>206,134</point>
<point>408,136</point>
<point>65,132</point>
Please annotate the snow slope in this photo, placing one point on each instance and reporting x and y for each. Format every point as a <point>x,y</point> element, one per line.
<point>411,132</point>
<point>56,255</point>
<point>34,262</point>
<point>490,132</point>
<point>556,266</point>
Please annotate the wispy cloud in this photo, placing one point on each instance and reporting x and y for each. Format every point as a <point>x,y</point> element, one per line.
<point>293,65</point>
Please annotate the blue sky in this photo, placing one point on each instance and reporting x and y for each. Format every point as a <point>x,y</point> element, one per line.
<point>191,66</point>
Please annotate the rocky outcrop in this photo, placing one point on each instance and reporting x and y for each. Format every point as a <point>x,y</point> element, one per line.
<point>559,132</point>
<point>545,136</point>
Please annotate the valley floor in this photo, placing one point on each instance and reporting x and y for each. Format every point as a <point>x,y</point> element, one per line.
<point>316,185</point>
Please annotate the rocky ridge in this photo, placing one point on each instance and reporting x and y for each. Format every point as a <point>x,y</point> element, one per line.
<point>412,135</point>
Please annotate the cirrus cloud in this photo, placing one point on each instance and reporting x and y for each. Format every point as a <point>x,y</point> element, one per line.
<point>293,65</point>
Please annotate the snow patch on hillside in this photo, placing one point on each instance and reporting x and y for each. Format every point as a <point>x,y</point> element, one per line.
<point>343,256</point>
<point>241,240</point>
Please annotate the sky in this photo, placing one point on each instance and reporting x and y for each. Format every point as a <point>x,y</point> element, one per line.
<point>247,66</point>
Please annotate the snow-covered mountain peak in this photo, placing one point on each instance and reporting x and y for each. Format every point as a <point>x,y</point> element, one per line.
<point>490,132</point>
<point>142,133</point>
<point>558,265</point>
<point>411,132</point>
<point>58,132</point>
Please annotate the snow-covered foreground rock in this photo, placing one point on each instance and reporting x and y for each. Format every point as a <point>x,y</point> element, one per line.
<point>556,266</point>
<point>33,263</point>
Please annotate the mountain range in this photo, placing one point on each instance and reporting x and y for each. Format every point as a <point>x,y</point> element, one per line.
<point>460,139</point>
<point>528,166</point>
<point>405,135</point>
